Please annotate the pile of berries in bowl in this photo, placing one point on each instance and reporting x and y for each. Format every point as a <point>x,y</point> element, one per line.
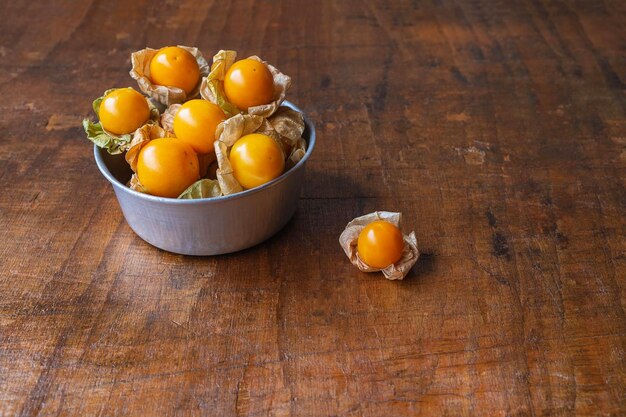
<point>210,158</point>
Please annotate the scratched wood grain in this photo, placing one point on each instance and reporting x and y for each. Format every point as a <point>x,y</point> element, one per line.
<point>497,127</point>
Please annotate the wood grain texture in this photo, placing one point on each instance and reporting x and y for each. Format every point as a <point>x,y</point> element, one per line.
<point>497,127</point>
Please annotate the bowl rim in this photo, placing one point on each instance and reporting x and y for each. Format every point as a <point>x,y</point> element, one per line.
<point>104,170</point>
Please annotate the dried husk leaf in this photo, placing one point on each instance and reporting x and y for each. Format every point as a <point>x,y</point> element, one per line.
<point>114,144</point>
<point>289,125</point>
<point>288,122</point>
<point>267,129</point>
<point>167,118</point>
<point>224,173</point>
<point>349,238</point>
<point>212,88</point>
<point>164,94</point>
<point>230,130</point>
<point>204,188</point>
<point>134,184</point>
<point>141,137</point>
<point>297,153</point>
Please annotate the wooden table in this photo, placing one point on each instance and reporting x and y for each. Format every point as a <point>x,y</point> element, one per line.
<point>497,128</point>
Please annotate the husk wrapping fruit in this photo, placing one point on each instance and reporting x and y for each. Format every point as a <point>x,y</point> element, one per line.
<point>212,87</point>
<point>283,124</point>
<point>285,127</point>
<point>227,133</point>
<point>141,137</point>
<point>114,144</point>
<point>349,238</point>
<point>203,188</point>
<point>166,95</point>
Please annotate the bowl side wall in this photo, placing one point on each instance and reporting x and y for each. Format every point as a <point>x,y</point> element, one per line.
<point>214,227</point>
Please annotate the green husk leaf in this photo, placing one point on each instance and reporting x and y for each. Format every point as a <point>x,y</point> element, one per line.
<point>217,88</point>
<point>212,88</point>
<point>96,103</point>
<point>114,145</point>
<point>203,188</point>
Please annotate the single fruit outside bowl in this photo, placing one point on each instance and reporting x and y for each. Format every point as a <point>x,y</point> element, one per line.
<point>210,226</point>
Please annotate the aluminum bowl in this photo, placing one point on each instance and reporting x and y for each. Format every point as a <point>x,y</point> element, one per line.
<point>209,226</point>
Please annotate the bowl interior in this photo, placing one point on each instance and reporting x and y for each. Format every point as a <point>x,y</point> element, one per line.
<point>118,167</point>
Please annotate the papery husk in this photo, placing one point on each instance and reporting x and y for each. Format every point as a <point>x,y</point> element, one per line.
<point>297,153</point>
<point>267,130</point>
<point>349,239</point>
<point>199,189</point>
<point>167,118</point>
<point>204,188</point>
<point>141,137</point>
<point>114,144</point>
<point>164,94</point>
<point>286,127</point>
<point>212,87</point>
<point>135,184</point>
<point>289,124</point>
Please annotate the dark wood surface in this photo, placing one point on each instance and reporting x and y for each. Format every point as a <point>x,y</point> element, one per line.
<point>497,127</point>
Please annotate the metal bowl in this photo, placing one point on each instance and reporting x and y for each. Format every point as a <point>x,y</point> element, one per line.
<point>209,226</point>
